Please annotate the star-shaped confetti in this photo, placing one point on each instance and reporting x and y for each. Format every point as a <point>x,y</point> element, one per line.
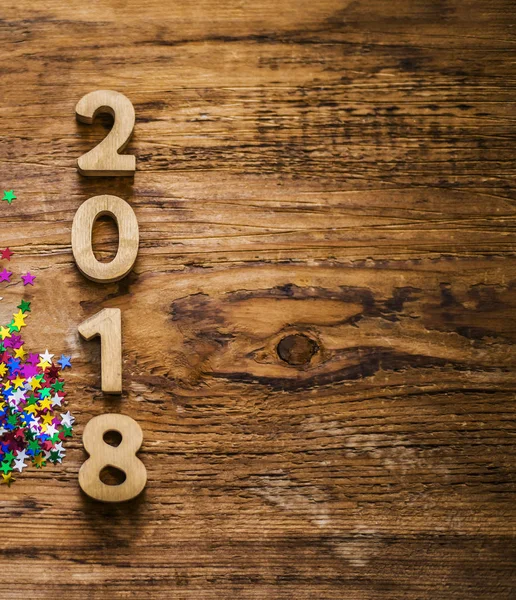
<point>5,275</point>
<point>6,254</point>
<point>24,306</point>
<point>7,478</point>
<point>46,357</point>
<point>33,420</point>
<point>64,361</point>
<point>9,196</point>
<point>28,279</point>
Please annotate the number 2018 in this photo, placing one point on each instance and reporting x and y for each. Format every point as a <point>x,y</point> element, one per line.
<point>105,160</point>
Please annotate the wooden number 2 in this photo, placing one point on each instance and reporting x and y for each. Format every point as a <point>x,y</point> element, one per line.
<point>108,325</point>
<point>122,457</point>
<point>128,238</point>
<point>105,159</point>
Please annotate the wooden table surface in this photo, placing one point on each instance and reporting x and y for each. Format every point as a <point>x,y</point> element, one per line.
<point>318,331</point>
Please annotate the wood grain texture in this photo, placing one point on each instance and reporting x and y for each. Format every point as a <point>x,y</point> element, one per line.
<point>319,328</point>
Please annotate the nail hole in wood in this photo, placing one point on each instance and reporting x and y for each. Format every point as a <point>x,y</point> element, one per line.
<point>112,476</point>
<point>113,438</point>
<point>297,349</point>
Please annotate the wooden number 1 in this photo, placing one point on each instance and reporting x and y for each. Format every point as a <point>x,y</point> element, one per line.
<point>108,325</point>
<point>104,159</point>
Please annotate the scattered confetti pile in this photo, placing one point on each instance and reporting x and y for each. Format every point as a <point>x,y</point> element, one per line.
<point>33,424</point>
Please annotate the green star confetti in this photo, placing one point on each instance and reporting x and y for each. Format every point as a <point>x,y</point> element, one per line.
<point>9,196</point>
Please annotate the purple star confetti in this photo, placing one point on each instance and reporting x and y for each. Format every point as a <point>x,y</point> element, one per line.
<point>5,275</point>
<point>28,279</point>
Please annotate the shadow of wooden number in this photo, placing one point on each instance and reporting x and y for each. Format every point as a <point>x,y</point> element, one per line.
<point>122,457</point>
<point>108,325</point>
<point>128,238</point>
<point>104,159</point>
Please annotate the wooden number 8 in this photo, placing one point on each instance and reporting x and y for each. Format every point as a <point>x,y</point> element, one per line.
<point>122,457</point>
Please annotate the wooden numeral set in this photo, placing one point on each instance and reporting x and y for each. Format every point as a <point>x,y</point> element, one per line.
<point>105,160</point>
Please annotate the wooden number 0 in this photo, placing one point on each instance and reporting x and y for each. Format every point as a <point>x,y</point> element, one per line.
<point>128,238</point>
<point>104,159</point>
<point>122,457</point>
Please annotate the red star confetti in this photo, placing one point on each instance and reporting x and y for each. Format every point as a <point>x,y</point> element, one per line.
<point>6,254</point>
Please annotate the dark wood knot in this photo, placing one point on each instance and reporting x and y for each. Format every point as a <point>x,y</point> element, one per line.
<point>297,349</point>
